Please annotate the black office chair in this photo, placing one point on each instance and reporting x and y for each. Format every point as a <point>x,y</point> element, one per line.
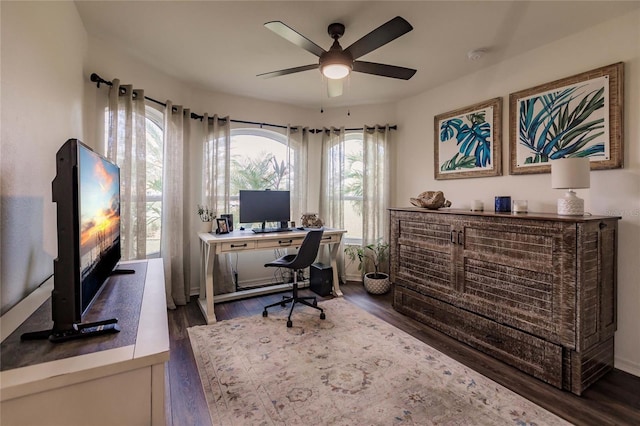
<point>306,255</point>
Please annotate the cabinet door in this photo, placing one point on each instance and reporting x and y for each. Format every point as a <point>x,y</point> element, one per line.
<point>520,273</point>
<point>422,253</point>
<point>596,282</point>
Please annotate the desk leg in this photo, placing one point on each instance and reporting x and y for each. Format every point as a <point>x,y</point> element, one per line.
<point>205,299</point>
<point>333,251</point>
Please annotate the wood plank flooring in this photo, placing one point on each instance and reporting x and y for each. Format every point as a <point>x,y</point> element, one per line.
<point>613,400</point>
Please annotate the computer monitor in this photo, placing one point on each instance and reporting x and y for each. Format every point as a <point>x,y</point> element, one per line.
<point>265,206</point>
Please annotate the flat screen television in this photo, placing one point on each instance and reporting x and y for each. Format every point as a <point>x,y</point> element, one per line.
<point>86,191</point>
<point>265,206</point>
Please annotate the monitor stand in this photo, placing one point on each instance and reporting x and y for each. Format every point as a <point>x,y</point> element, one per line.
<point>264,229</point>
<point>78,331</point>
<point>261,230</point>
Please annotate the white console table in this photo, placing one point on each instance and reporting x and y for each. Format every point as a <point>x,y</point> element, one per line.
<point>97,386</point>
<point>248,240</point>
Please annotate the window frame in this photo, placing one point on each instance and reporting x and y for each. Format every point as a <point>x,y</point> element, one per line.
<point>350,137</point>
<point>156,117</point>
<point>263,133</point>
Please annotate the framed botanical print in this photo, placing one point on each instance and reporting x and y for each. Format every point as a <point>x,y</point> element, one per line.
<point>468,141</point>
<point>578,116</point>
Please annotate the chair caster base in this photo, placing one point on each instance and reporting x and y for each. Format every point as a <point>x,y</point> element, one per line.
<point>322,316</point>
<point>265,313</point>
<point>289,323</point>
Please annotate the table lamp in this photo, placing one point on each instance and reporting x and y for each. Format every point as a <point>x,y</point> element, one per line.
<point>570,173</point>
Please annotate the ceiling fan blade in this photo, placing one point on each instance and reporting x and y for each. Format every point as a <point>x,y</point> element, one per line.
<point>294,37</point>
<point>288,71</point>
<point>379,37</point>
<point>334,87</point>
<point>384,70</point>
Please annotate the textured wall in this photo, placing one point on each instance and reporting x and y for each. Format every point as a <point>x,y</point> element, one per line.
<point>43,48</point>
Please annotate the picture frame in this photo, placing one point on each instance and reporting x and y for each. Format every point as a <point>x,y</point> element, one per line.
<point>577,116</point>
<point>223,225</point>
<point>229,218</point>
<point>468,141</point>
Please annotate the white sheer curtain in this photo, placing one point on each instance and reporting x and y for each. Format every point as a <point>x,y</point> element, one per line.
<point>298,139</point>
<point>216,157</point>
<point>376,183</point>
<point>332,177</point>
<point>331,184</point>
<point>174,248</point>
<point>126,145</point>
<point>216,163</point>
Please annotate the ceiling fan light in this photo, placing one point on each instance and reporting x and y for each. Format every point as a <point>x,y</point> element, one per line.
<point>335,71</point>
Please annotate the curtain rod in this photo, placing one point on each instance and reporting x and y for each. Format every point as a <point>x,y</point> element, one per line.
<point>99,80</point>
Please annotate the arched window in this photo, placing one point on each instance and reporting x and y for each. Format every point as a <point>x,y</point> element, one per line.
<point>154,157</point>
<point>260,159</point>
<point>155,150</point>
<point>353,186</point>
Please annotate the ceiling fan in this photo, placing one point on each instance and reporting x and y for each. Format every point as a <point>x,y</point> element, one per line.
<point>337,63</point>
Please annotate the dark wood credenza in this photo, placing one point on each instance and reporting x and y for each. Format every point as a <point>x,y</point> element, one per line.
<point>535,290</point>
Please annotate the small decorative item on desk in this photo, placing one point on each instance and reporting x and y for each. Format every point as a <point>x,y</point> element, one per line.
<point>375,255</point>
<point>520,206</point>
<point>223,225</point>
<point>229,218</point>
<point>431,200</point>
<point>503,204</point>
<point>206,216</point>
<point>311,220</point>
<point>477,206</point>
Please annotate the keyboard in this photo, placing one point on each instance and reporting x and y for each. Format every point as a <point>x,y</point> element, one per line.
<point>269,230</point>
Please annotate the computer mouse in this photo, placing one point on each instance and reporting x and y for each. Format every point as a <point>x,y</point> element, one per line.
<point>242,228</point>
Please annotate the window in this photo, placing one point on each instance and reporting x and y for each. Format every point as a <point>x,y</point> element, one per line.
<point>260,159</point>
<point>352,187</point>
<point>154,149</point>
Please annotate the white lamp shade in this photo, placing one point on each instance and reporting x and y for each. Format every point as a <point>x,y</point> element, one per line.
<point>570,173</point>
<point>335,71</point>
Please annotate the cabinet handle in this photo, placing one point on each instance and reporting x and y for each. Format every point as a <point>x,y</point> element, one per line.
<point>460,238</point>
<point>453,238</point>
<point>285,241</point>
<point>238,245</point>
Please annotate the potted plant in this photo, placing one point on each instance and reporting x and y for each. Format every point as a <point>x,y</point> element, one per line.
<point>372,255</point>
<point>206,216</point>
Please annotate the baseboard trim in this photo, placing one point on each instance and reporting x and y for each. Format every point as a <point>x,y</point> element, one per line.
<point>627,366</point>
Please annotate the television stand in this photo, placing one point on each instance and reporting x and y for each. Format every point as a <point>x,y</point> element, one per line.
<point>78,331</point>
<point>114,380</point>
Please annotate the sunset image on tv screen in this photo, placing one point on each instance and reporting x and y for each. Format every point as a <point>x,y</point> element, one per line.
<point>99,208</point>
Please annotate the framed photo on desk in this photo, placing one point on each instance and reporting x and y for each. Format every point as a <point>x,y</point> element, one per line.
<point>223,225</point>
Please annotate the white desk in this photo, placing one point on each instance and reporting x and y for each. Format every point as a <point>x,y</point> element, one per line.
<point>247,240</point>
<point>122,385</point>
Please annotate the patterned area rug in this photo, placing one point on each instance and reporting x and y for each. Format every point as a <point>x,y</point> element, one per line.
<point>350,369</point>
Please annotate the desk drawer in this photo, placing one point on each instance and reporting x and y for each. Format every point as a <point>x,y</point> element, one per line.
<point>282,242</point>
<point>237,246</point>
<point>329,239</point>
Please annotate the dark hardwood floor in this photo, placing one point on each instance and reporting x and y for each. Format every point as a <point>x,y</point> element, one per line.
<point>613,400</point>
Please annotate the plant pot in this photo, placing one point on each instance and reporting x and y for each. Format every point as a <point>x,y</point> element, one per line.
<point>205,227</point>
<point>377,283</point>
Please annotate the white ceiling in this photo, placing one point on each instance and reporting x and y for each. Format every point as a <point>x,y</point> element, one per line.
<point>222,45</point>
